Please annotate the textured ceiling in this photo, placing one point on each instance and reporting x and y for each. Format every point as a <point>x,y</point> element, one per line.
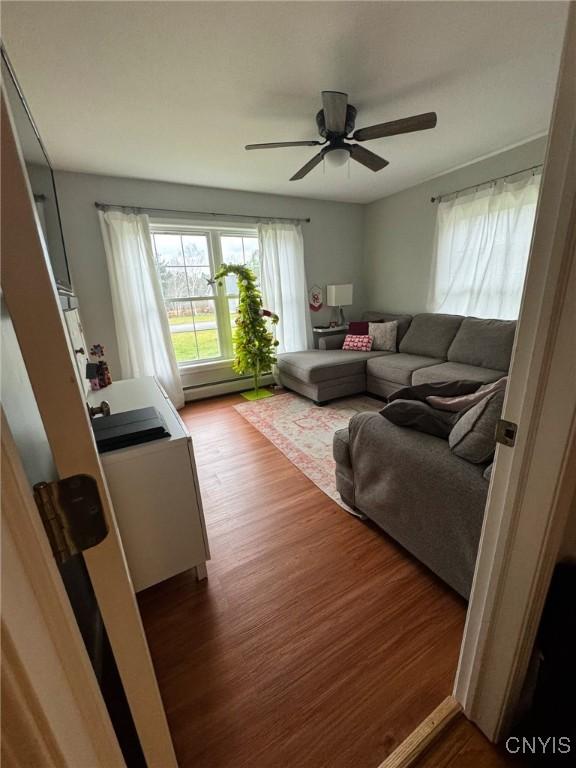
<point>173,90</point>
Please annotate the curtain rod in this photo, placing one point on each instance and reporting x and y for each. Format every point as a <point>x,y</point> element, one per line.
<point>482,183</point>
<point>105,206</point>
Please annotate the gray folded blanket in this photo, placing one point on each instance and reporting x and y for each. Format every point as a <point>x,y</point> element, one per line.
<point>437,389</point>
<point>407,407</point>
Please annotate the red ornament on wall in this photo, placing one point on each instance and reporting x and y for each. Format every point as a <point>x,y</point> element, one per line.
<point>315,298</point>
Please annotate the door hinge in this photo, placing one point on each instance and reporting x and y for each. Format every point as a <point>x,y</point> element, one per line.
<point>506,432</point>
<point>72,515</point>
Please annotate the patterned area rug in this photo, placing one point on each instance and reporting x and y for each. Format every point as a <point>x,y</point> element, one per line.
<point>303,431</point>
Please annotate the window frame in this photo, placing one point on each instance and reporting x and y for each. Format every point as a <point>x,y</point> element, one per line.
<point>213,232</point>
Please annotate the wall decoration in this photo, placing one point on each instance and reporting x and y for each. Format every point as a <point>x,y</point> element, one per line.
<point>315,298</point>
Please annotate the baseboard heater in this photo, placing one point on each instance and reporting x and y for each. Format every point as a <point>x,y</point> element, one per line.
<point>234,380</point>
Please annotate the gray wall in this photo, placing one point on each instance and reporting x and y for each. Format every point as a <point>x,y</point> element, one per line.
<point>333,240</point>
<point>384,248</point>
<point>399,233</point>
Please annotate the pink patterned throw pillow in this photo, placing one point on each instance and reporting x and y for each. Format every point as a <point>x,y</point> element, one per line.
<point>357,343</point>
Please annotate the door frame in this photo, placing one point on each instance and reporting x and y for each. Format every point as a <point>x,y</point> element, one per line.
<point>53,710</point>
<point>30,293</point>
<point>533,484</point>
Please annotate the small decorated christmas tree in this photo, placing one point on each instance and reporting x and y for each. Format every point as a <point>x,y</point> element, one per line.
<point>254,343</point>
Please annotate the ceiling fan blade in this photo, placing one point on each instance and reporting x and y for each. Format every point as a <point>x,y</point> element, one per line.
<point>334,105</point>
<point>405,125</point>
<point>308,167</point>
<point>284,144</point>
<point>367,158</point>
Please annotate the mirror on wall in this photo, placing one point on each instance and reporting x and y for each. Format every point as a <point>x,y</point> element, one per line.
<point>41,180</point>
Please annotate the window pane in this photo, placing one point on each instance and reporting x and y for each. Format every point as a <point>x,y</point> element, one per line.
<point>231,284</point>
<point>206,329</point>
<point>208,345</point>
<point>174,283</point>
<point>184,268</point>
<point>181,320</point>
<point>232,251</point>
<point>204,313</point>
<point>198,284</point>
<point>185,346</point>
<point>194,330</point>
<point>169,250</point>
<point>180,313</point>
<point>195,250</point>
<point>243,250</point>
<point>233,313</point>
<point>252,254</point>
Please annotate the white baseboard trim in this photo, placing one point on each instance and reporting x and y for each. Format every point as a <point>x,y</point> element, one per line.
<point>222,388</point>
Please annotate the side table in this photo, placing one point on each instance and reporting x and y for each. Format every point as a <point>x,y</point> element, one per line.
<point>322,331</point>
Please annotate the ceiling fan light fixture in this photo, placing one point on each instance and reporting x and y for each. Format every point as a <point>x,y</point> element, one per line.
<point>338,157</point>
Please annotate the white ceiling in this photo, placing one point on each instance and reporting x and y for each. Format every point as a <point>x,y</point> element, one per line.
<point>173,90</point>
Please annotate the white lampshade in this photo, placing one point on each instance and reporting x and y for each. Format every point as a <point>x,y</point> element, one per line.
<point>339,295</point>
<point>337,157</point>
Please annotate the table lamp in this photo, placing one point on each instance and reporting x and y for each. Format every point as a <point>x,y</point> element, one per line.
<point>339,296</point>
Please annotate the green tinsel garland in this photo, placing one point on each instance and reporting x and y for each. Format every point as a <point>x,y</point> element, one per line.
<point>254,343</point>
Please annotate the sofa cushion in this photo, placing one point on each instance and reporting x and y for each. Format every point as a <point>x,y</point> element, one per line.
<point>430,335</point>
<point>354,343</point>
<point>313,365</point>
<point>384,335</point>
<point>455,372</point>
<point>398,367</point>
<point>487,343</point>
<point>358,327</point>
<point>387,317</point>
<point>474,435</point>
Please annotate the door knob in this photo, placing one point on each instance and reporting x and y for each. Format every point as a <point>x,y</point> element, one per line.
<point>96,410</point>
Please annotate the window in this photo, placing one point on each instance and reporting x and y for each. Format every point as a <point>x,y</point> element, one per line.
<point>201,315</point>
<point>482,246</point>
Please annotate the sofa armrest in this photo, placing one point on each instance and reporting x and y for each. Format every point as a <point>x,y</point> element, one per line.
<point>341,447</point>
<point>332,342</point>
<point>377,446</point>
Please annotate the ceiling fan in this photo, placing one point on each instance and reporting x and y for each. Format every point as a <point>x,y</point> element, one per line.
<point>336,121</point>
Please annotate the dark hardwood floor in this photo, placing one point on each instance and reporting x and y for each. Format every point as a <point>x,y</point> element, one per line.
<point>316,641</point>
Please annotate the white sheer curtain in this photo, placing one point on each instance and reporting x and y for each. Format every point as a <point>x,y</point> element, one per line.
<point>142,328</point>
<point>284,281</point>
<point>482,246</point>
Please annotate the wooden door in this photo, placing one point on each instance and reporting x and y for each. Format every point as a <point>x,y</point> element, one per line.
<point>30,294</point>
<point>53,713</point>
<point>533,483</point>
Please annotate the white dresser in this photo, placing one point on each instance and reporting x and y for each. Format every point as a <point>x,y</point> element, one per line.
<point>154,489</point>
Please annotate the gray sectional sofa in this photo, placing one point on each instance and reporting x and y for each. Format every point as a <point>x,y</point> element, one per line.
<point>413,487</point>
<point>409,483</point>
<point>430,347</point>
